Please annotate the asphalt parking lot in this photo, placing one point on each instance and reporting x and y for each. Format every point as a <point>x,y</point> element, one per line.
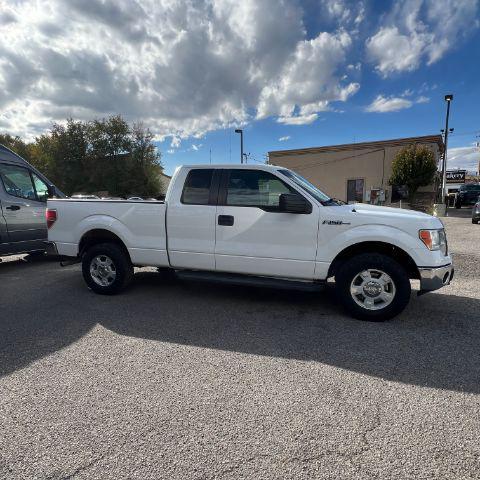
<point>195,381</point>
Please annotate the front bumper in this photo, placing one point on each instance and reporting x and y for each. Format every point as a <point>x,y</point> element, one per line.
<point>435,277</point>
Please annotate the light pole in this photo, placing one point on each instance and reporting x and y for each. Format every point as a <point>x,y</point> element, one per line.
<point>448,99</point>
<point>240,131</point>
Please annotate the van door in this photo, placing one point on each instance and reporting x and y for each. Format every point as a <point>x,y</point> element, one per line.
<point>3,231</point>
<point>23,207</point>
<point>253,236</point>
<point>191,219</point>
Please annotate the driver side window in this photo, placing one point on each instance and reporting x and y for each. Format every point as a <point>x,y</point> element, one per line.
<point>255,188</point>
<point>17,181</point>
<point>40,188</point>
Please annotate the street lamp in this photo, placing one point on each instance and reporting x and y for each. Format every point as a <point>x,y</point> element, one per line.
<point>448,99</point>
<point>240,131</point>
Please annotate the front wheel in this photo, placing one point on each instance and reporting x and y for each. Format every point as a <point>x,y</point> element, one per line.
<point>106,268</point>
<point>373,287</point>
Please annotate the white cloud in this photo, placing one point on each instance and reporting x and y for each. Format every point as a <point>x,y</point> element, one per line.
<point>418,30</point>
<point>383,104</point>
<point>464,158</point>
<point>284,139</point>
<point>308,81</point>
<point>176,141</point>
<point>298,120</point>
<point>184,67</point>
<point>422,99</point>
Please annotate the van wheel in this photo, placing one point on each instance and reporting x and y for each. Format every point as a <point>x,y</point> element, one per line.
<point>373,287</point>
<point>106,268</point>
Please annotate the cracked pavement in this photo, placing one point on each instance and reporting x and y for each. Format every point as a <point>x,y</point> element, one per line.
<point>197,381</point>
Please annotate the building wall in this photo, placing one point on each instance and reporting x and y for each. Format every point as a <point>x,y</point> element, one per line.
<point>330,170</point>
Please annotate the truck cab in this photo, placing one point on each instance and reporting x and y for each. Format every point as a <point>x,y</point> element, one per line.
<point>23,200</point>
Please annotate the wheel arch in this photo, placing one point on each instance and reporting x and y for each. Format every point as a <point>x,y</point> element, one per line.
<point>385,248</point>
<point>97,236</point>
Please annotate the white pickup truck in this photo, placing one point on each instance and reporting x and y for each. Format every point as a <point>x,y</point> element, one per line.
<point>256,224</point>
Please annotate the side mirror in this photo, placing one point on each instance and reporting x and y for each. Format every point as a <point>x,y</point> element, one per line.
<point>294,203</point>
<point>52,192</point>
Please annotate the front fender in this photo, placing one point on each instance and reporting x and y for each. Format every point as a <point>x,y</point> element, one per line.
<point>373,233</point>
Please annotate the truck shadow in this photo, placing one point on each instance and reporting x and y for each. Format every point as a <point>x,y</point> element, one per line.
<point>434,343</point>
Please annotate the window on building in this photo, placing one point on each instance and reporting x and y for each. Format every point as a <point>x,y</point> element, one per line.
<point>355,189</point>
<point>196,190</point>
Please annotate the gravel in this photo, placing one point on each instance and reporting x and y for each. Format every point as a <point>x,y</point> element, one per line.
<point>194,381</point>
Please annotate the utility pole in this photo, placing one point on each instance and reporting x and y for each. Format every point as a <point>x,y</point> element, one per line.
<point>448,99</point>
<point>240,131</point>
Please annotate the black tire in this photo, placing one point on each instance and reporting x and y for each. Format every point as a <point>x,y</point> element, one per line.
<point>121,266</point>
<point>458,204</point>
<point>474,221</point>
<point>350,270</point>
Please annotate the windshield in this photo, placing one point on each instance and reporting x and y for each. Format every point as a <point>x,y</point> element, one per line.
<point>309,188</point>
<point>471,188</point>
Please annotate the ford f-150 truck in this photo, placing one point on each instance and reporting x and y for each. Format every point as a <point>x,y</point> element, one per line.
<point>256,224</point>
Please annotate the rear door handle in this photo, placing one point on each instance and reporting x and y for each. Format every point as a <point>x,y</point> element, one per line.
<point>13,207</point>
<point>225,220</point>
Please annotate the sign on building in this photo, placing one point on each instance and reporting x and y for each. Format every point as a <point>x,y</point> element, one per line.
<point>455,176</point>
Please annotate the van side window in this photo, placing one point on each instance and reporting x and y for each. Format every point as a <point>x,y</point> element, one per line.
<point>196,190</point>
<point>17,181</point>
<point>40,188</point>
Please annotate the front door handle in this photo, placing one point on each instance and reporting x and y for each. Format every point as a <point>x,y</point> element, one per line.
<point>225,220</point>
<point>13,207</point>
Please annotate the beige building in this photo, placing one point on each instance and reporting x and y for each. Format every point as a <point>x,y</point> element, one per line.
<point>164,181</point>
<point>355,172</point>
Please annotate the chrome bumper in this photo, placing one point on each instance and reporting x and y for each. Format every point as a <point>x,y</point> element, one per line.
<point>435,278</point>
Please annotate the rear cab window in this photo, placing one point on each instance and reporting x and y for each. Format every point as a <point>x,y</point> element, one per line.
<point>196,190</point>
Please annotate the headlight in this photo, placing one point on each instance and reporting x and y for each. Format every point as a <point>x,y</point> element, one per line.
<point>434,239</point>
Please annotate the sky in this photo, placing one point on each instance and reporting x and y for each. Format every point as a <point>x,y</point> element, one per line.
<point>290,73</point>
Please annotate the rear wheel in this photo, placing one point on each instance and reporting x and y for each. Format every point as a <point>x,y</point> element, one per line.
<point>373,287</point>
<point>475,220</point>
<point>106,268</point>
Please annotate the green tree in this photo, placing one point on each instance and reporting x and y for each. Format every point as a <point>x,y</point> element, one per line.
<point>17,145</point>
<point>100,155</point>
<point>415,167</point>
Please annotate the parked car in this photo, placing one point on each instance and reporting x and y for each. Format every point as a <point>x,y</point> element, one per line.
<point>23,197</point>
<point>476,212</point>
<point>467,195</point>
<point>257,225</point>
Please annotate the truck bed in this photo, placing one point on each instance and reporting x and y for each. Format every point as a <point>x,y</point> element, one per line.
<point>140,225</point>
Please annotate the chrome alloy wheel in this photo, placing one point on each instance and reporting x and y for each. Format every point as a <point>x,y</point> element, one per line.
<point>102,270</point>
<point>372,289</point>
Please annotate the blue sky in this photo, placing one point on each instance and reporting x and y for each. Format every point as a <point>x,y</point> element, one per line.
<point>457,72</point>
<point>291,73</point>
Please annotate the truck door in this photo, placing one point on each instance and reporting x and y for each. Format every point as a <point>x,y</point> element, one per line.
<point>254,237</point>
<point>23,207</point>
<point>191,217</point>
